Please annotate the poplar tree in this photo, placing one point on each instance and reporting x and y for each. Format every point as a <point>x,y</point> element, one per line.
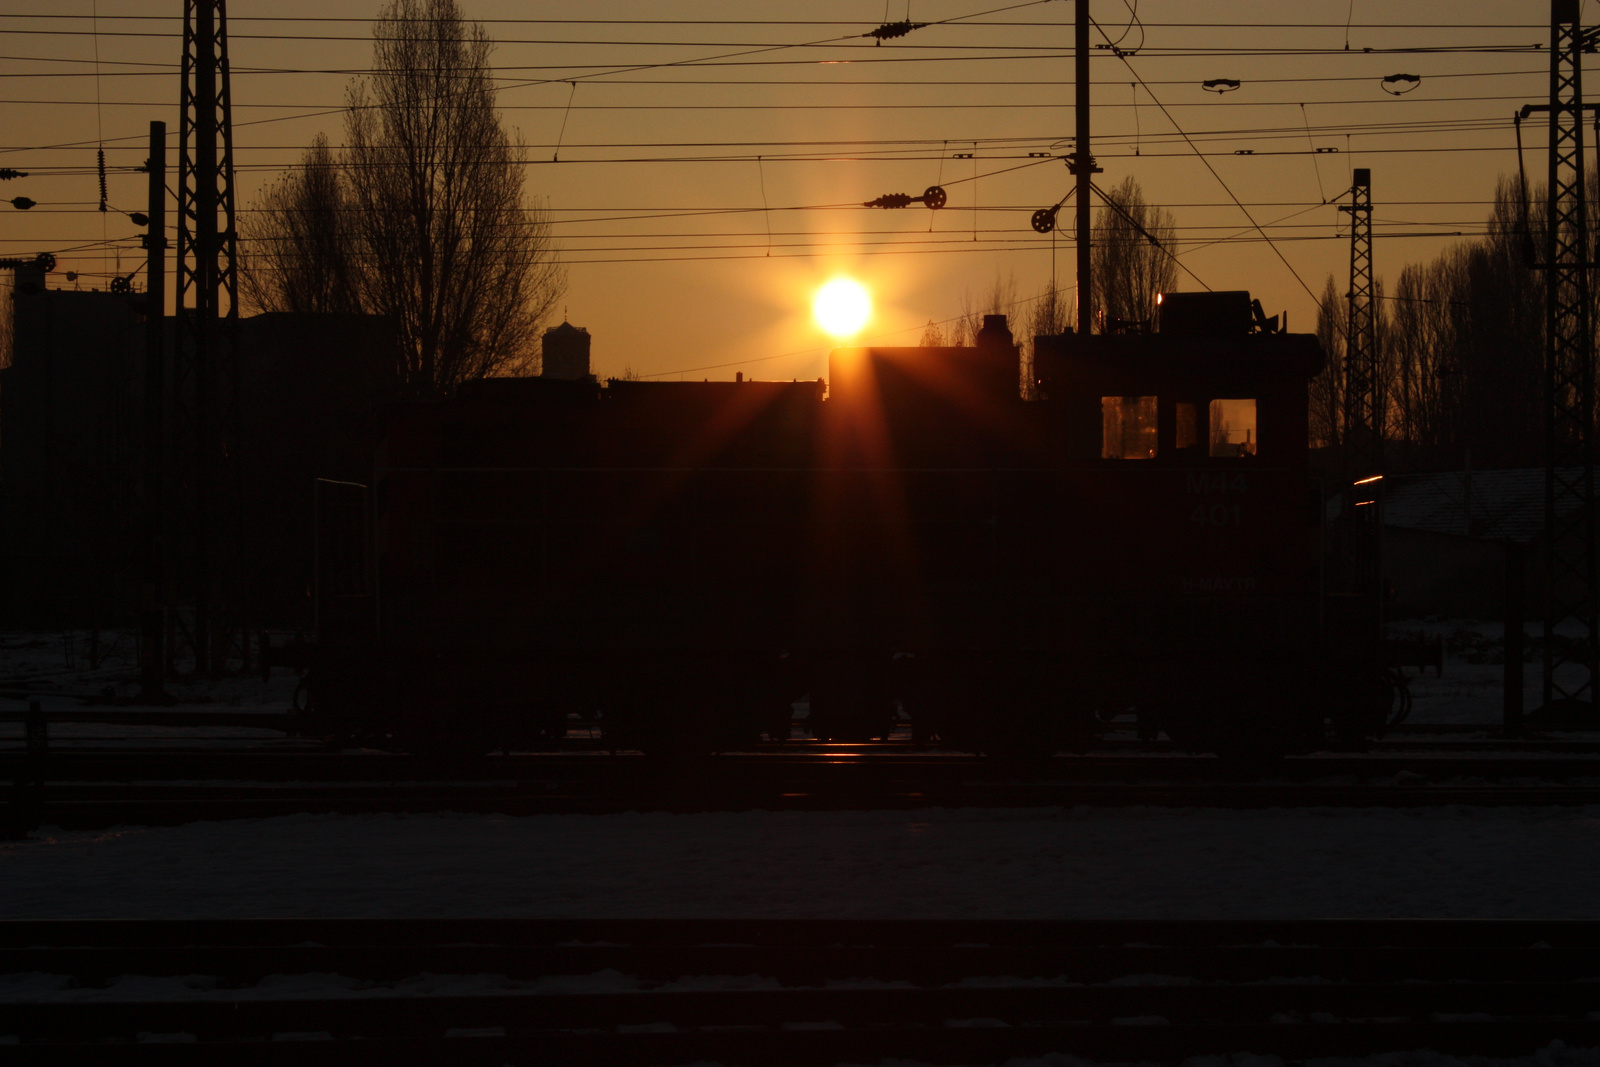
<point>422,217</point>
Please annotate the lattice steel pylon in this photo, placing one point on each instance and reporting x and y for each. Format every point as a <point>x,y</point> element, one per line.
<point>205,366</point>
<point>1363,383</point>
<point>1570,586</point>
<point>1364,409</point>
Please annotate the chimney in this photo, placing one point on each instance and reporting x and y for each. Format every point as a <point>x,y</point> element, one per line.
<point>995,333</point>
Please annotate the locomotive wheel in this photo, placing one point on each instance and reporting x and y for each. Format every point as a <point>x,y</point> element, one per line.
<point>664,731</point>
<point>1033,734</point>
<point>684,729</point>
<point>446,737</point>
<point>850,701</point>
<point>684,742</point>
<point>548,725</point>
<point>777,721</point>
<point>1255,734</point>
<point>853,728</point>
<point>1361,701</point>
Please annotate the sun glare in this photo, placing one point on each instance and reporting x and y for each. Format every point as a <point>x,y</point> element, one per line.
<point>842,307</point>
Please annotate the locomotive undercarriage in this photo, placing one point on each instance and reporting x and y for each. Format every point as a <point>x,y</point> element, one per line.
<point>1015,706</point>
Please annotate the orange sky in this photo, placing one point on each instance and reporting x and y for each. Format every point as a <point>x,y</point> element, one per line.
<point>670,178</point>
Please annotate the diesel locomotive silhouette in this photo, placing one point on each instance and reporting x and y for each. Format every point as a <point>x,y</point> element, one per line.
<point>919,538</point>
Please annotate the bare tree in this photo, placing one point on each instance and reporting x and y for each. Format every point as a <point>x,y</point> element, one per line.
<point>431,226</point>
<point>1000,300</point>
<point>1131,257</point>
<point>1048,315</point>
<point>1465,349</point>
<point>1327,388</point>
<point>299,255</point>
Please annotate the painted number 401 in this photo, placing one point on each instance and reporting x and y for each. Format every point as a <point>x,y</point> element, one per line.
<point>1215,515</point>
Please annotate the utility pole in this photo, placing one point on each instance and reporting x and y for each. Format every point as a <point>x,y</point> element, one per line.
<point>1569,508</point>
<point>1081,164</point>
<point>152,651</point>
<point>206,311</point>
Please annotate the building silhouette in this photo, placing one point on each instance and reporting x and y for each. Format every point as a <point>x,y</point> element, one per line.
<point>72,441</point>
<point>566,353</point>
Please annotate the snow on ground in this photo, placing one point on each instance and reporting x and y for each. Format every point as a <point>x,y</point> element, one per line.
<point>1554,1055</point>
<point>969,863</point>
<point>63,668</point>
<point>1470,689</point>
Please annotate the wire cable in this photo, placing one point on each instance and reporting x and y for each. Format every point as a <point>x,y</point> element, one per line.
<point>1225,188</point>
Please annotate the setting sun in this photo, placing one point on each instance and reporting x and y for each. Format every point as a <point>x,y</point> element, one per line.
<point>842,307</point>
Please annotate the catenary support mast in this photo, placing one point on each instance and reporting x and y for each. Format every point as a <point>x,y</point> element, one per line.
<point>206,309</point>
<point>1570,573</point>
<point>153,584</point>
<point>1081,164</point>
<point>1363,384</point>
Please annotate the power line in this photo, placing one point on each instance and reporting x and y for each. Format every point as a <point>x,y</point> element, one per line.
<point>62,16</point>
<point>605,69</point>
<point>1218,177</point>
<point>323,109</point>
<point>1247,133</point>
<point>813,82</point>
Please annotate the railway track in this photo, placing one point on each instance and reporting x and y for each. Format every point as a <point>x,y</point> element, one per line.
<point>136,793</point>
<point>787,992</point>
<point>82,783</point>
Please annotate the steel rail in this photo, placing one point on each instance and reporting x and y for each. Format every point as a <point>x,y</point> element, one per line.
<point>801,992</point>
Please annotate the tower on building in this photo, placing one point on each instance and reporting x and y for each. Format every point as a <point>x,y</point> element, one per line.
<point>566,353</point>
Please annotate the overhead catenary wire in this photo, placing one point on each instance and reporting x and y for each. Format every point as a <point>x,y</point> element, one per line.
<point>890,151</point>
<point>1316,164</point>
<point>996,53</point>
<point>1242,134</point>
<point>1225,187</point>
<point>1118,209</point>
<point>844,82</point>
<point>492,21</point>
<point>1019,245</point>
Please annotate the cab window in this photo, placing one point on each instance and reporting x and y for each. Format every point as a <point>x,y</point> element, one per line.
<point>1127,427</point>
<point>1233,428</point>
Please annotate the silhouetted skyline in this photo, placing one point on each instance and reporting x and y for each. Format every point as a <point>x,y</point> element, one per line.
<point>677,160</point>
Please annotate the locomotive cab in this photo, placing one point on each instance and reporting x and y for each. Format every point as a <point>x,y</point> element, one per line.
<point>1191,452</point>
<point>1205,388</point>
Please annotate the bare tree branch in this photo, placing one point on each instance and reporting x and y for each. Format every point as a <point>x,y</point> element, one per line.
<point>1131,256</point>
<point>424,219</point>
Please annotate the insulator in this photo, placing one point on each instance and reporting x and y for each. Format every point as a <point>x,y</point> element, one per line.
<point>890,200</point>
<point>1044,220</point>
<point>1391,83</point>
<point>102,179</point>
<point>6,174</point>
<point>934,196</point>
<point>894,29</point>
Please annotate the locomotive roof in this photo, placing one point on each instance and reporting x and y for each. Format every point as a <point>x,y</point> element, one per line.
<point>1286,353</point>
